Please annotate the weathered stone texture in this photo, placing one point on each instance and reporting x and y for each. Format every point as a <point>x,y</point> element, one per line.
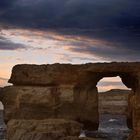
<point>48,129</point>
<point>51,102</point>
<point>72,74</point>
<point>66,91</point>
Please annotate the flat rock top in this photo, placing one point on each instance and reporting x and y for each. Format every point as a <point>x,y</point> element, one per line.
<point>93,66</point>
<point>26,74</point>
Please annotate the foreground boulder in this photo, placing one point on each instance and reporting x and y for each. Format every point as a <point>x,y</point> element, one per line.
<point>49,129</point>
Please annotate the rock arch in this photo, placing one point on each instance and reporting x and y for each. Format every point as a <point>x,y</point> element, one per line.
<point>67,91</point>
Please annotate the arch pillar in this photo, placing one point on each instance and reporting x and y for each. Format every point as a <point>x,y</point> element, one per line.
<point>135,103</point>
<point>86,101</point>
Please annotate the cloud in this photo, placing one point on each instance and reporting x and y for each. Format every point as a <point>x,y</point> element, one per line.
<point>72,14</point>
<point>108,52</point>
<point>6,4</point>
<point>115,22</point>
<point>73,48</point>
<point>103,50</point>
<point>6,44</point>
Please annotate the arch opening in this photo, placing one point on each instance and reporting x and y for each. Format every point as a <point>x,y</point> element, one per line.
<point>113,108</point>
<point>108,83</point>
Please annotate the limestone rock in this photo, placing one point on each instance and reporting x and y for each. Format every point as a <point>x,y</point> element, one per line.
<point>49,129</point>
<point>66,91</point>
<point>26,102</point>
<point>57,74</point>
<point>134,136</point>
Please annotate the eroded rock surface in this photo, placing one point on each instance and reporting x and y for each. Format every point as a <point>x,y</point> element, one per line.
<point>25,102</point>
<point>49,129</point>
<point>57,74</point>
<point>66,91</point>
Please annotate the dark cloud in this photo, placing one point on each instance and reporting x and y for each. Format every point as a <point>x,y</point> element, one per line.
<point>73,14</point>
<point>109,52</point>
<point>115,21</point>
<point>6,44</point>
<point>6,3</point>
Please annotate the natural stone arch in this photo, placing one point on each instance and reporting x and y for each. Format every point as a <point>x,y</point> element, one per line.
<point>88,84</point>
<point>62,85</point>
<point>131,82</point>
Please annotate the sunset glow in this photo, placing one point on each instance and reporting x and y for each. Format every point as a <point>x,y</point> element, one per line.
<point>109,83</point>
<point>67,31</point>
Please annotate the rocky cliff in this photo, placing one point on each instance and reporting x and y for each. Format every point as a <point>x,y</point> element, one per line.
<point>63,92</point>
<point>114,102</point>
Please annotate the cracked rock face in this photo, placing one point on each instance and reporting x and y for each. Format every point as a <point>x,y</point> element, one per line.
<point>48,129</point>
<point>51,102</point>
<point>64,91</point>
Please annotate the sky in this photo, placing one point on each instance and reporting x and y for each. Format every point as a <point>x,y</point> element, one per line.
<point>68,31</point>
